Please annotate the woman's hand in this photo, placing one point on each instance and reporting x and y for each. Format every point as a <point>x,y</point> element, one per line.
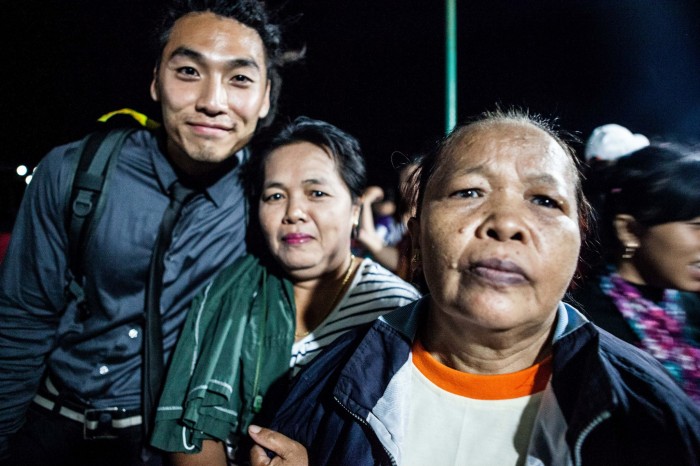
<point>289,452</point>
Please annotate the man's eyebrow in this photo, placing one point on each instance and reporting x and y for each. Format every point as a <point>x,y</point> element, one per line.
<point>199,58</point>
<point>186,52</point>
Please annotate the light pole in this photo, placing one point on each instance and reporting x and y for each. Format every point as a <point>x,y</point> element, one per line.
<point>450,64</point>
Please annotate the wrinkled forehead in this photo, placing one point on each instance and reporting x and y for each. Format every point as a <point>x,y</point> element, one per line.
<point>519,144</point>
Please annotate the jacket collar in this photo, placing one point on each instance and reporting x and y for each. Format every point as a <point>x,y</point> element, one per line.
<point>374,382</point>
<point>582,380</point>
<point>386,348</point>
<point>218,191</point>
<point>406,319</point>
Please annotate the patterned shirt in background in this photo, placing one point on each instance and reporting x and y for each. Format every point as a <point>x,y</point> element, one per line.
<point>374,291</point>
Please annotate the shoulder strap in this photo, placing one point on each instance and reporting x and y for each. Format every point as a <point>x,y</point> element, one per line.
<point>98,154</point>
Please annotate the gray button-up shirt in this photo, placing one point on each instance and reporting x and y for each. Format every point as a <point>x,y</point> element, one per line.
<point>99,359</point>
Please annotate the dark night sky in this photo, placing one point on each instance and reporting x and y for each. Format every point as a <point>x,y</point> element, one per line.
<point>374,68</point>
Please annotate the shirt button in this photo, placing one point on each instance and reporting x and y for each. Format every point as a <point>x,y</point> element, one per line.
<point>104,370</point>
<point>133,333</point>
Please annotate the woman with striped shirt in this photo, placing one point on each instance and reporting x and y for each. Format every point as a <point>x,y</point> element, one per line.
<point>266,316</point>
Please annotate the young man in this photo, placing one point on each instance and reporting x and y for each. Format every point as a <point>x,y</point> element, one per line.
<point>71,384</point>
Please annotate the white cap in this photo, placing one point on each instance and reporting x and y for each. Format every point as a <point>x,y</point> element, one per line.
<point>608,142</point>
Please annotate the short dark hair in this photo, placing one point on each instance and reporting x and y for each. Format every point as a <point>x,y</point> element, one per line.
<point>343,148</point>
<point>251,13</point>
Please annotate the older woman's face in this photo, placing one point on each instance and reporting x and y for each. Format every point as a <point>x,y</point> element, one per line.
<point>498,232</point>
<point>306,211</point>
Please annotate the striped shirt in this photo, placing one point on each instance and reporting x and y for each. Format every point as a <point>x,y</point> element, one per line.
<point>374,291</point>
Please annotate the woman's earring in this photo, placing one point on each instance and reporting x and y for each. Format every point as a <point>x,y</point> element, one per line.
<point>355,232</point>
<point>629,251</point>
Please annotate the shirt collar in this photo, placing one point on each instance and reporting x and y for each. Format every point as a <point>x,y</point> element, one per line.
<point>217,192</point>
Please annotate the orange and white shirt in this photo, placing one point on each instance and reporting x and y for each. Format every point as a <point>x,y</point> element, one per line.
<point>456,418</point>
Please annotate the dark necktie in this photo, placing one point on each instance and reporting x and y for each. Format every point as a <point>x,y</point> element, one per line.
<point>153,336</point>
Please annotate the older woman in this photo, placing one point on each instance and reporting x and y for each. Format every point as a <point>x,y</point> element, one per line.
<point>260,318</point>
<point>491,367</point>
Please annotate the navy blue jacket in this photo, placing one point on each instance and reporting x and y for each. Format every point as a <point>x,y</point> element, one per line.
<point>606,403</point>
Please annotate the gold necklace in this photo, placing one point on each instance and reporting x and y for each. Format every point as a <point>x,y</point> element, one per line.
<point>337,297</point>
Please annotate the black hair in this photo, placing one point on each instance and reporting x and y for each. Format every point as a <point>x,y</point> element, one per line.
<point>251,13</point>
<point>343,148</point>
<point>657,184</point>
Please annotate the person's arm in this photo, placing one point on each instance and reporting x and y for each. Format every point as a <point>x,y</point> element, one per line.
<point>388,256</point>
<point>212,454</point>
<point>289,452</point>
<point>32,281</point>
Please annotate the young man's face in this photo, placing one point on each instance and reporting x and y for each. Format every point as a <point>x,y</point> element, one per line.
<point>213,87</point>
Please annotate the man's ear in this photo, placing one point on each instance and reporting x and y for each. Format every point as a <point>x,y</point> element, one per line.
<point>155,94</point>
<point>626,230</point>
<point>265,108</point>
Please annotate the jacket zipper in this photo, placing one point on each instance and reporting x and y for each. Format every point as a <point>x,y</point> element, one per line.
<point>257,397</point>
<point>364,423</point>
<point>585,432</point>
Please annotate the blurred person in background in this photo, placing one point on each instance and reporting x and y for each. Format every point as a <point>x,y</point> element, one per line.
<point>645,287</point>
<point>382,232</point>
<point>606,144</point>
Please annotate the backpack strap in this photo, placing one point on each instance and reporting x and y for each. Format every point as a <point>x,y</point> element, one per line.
<point>99,152</point>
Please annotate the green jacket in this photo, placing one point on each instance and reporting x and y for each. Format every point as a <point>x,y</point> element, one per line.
<point>236,342</point>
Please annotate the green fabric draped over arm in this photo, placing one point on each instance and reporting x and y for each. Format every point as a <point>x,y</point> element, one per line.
<point>236,342</point>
